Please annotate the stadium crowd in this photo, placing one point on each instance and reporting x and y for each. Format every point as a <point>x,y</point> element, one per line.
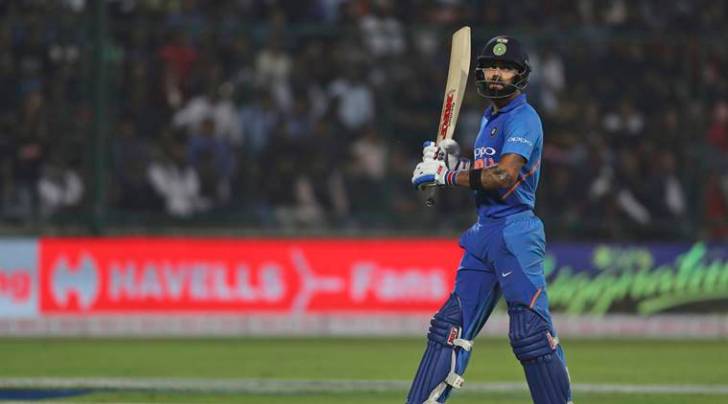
<point>288,114</point>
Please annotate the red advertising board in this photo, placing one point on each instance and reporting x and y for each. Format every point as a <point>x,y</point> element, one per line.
<point>140,275</point>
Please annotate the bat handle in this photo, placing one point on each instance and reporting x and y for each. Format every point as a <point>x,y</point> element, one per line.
<point>430,201</point>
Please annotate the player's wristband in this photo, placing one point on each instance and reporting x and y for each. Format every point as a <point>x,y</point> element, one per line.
<point>451,177</point>
<point>475,179</point>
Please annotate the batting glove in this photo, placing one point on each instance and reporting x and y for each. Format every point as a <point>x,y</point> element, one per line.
<point>448,151</point>
<point>432,173</point>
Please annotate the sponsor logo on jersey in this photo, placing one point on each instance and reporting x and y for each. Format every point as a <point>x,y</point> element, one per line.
<point>518,139</point>
<point>484,157</point>
<point>483,152</point>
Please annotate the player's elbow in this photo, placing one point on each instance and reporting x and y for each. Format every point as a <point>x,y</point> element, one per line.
<point>506,178</point>
<point>510,165</point>
<point>509,181</point>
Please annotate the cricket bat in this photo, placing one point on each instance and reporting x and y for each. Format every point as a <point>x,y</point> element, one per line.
<point>457,78</point>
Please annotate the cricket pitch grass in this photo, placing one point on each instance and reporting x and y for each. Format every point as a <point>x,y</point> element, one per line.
<point>344,370</point>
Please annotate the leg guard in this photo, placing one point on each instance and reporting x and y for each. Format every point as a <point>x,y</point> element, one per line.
<point>436,375</point>
<point>536,348</point>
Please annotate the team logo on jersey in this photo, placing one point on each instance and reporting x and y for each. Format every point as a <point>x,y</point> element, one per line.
<point>493,132</point>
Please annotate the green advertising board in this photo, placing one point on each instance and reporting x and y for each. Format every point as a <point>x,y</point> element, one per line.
<point>644,279</point>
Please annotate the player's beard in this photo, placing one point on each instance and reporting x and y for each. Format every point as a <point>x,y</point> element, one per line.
<point>496,85</point>
<point>495,89</point>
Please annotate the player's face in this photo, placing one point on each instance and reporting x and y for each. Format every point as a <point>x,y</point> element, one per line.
<point>497,74</point>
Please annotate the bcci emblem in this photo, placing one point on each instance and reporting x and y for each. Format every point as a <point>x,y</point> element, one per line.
<point>493,132</point>
<point>499,49</point>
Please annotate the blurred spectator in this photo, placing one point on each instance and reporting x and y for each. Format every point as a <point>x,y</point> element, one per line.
<point>320,192</point>
<point>629,192</point>
<point>716,209</point>
<point>216,105</point>
<point>624,123</point>
<point>213,159</point>
<point>258,119</point>
<point>59,187</point>
<point>353,98</point>
<point>273,65</point>
<point>718,131</point>
<point>177,55</point>
<point>299,122</point>
<point>278,109</point>
<point>31,147</point>
<point>667,201</point>
<point>616,12</point>
<point>551,72</point>
<point>131,156</point>
<point>716,215</point>
<point>8,79</point>
<point>177,182</point>
<point>382,31</point>
<point>7,157</point>
<point>273,68</point>
<point>368,171</point>
<point>281,157</point>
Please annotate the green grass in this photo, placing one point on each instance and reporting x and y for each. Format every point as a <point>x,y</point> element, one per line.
<point>371,398</point>
<point>590,361</point>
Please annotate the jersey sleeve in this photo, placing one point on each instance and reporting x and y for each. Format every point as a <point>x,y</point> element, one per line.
<point>522,134</point>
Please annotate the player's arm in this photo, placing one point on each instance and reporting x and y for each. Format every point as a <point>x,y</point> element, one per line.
<point>521,136</point>
<point>435,173</point>
<point>502,175</point>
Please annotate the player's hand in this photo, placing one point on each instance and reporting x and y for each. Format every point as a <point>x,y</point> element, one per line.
<point>448,151</point>
<point>432,173</point>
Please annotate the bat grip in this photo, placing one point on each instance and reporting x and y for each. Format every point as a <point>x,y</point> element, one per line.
<point>430,201</point>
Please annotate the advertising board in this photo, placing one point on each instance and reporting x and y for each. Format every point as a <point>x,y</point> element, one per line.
<point>18,278</point>
<point>96,276</point>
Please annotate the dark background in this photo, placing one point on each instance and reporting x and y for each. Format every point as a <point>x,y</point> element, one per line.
<point>307,117</point>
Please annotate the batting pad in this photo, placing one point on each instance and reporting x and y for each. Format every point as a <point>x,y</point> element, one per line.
<point>436,374</point>
<point>535,346</point>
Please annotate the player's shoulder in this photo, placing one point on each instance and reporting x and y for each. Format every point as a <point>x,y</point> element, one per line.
<point>526,111</point>
<point>525,115</point>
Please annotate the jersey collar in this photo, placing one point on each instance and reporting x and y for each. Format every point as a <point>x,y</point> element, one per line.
<point>516,102</point>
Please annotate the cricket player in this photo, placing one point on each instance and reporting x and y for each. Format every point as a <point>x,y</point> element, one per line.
<point>504,250</point>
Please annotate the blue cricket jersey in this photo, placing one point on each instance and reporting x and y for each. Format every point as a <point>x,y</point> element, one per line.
<point>515,128</point>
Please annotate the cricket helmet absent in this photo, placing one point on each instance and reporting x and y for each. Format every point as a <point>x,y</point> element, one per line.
<point>507,51</point>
